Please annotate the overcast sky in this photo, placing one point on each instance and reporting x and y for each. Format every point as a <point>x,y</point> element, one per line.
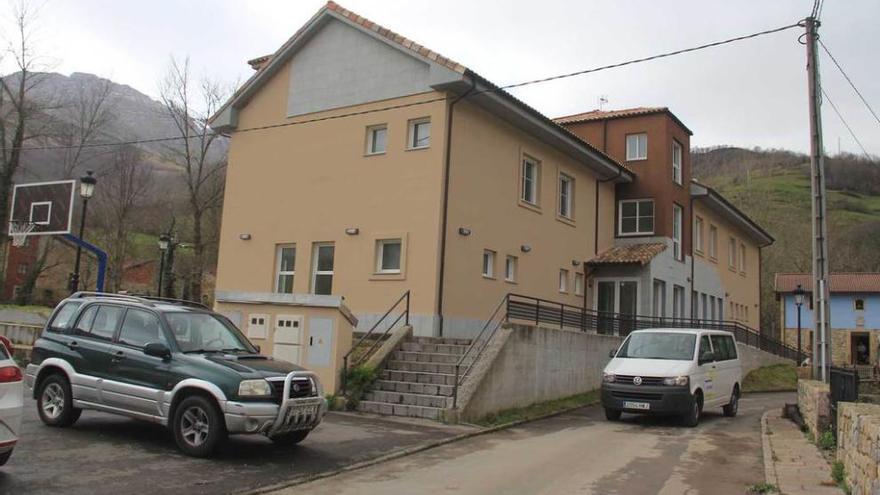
<point>752,93</point>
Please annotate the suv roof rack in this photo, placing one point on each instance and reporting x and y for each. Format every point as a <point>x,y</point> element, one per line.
<point>147,300</point>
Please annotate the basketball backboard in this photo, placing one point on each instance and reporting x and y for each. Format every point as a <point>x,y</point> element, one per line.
<point>48,206</point>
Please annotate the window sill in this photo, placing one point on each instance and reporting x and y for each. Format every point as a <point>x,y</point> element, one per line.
<point>512,282</point>
<point>713,259</point>
<point>530,206</point>
<point>566,220</point>
<point>635,234</point>
<point>378,153</point>
<point>643,159</point>
<point>487,277</point>
<point>388,276</point>
<point>420,148</point>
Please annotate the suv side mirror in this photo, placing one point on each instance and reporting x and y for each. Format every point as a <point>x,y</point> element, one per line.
<point>707,357</point>
<point>157,349</point>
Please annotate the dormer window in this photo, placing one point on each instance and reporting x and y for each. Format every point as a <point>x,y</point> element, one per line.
<point>636,147</point>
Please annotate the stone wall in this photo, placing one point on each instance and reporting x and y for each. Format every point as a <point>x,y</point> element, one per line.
<point>814,402</point>
<point>840,342</point>
<point>858,445</point>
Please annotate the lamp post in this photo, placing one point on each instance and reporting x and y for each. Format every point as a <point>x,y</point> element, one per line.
<point>164,242</point>
<point>799,294</point>
<point>86,190</point>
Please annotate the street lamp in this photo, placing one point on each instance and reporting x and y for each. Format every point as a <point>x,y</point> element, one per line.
<point>86,190</point>
<point>164,242</point>
<point>799,295</point>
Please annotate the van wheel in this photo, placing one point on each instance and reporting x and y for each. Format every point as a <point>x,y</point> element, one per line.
<point>55,402</point>
<point>198,426</point>
<point>732,407</point>
<point>692,418</point>
<point>291,438</point>
<point>612,414</point>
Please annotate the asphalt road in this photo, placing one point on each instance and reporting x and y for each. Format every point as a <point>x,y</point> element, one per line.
<point>108,454</point>
<point>582,453</point>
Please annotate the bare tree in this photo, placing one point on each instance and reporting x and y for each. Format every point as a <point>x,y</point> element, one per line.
<point>42,263</point>
<point>200,154</point>
<point>84,115</point>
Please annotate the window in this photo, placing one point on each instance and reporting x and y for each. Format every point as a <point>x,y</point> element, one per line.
<point>419,134</point>
<point>84,325</point>
<point>377,139</point>
<point>578,284</point>
<point>859,304</point>
<point>720,309</point>
<point>566,194</point>
<point>637,147</point>
<point>713,242</point>
<point>725,348</point>
<point>64,316</point>
<point>731,253</point>
<point>388,253</point>
<point>529,181</point>
<point>563,280</point>
<point>677,301</point>
<point>659,299</point>
<point>698,234</point>
<point>636,217</point>
<point>322,269</point>
<point>509,269</point>
<point>712,307</point>
<point>676,232</point>
<point>704,345</point>
<point>285,256</point>
<point>140,328</point>
<point>489,264</point>
<point>22,268</point>
<point>99,321</point>
<point>742,258</point>
<point>676,162</point>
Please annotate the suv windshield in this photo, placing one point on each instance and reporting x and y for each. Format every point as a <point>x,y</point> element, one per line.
<point>203,332</point>
<point>659,345</point>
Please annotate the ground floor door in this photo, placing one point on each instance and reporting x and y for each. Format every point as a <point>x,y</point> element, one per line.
<point>617,303</point>
<point>860,349</point>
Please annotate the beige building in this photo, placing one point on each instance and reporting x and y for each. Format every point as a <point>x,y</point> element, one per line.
<point>363,165</point>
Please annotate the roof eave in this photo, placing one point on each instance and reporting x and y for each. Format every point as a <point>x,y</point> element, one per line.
<point>721,205</point>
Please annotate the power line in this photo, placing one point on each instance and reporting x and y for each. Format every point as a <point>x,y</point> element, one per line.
<point>433,100</point>
<point>851,133</point>
<point>851,83</point>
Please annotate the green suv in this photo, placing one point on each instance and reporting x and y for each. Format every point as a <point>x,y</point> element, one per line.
<point>171,362</point>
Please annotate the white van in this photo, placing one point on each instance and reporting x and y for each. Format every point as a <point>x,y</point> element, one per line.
<point>673,371</point>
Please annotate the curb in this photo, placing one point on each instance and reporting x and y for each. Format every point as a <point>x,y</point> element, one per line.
<point>769,465</point>
<point>405,452</point>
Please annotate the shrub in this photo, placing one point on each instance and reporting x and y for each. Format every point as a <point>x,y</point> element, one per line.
<point>826,440</point>
<point>838,472</point>
<point>763,488</point>
<point>357,381</point>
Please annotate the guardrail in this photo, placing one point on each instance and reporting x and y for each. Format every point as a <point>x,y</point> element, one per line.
<point>22,336</point>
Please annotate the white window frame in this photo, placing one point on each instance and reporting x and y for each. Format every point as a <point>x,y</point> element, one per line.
<point>638,202</point>
<point>411,133</point>
<point>677,227</point>
<point>534,184</point>
<point>566,198</point>
<point>658,298</point>
<point>371,136</point>
<point>617,282</point>
<point>641,151</point>
<point>488,268</point>
<point>713,242</point>
<point>677,159</point>
<point>315,271</point>
<point>278,272</point>
<point>380,253</point>
<point>742,257</point>
<point>563,281</point>
<point>678,296</point>
<point>698,233</point>
<point>510,268</point>
<point>578,283</point>
<point>731,253</point>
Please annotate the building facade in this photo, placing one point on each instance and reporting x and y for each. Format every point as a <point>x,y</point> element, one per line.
<point>855,315</point>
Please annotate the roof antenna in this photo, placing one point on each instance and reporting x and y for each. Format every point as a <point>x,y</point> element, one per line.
<point>603,99</point>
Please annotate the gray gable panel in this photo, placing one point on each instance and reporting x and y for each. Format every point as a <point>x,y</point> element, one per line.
<point>341,66</point>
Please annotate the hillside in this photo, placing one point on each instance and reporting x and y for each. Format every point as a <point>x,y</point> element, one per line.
<point>773,187</point>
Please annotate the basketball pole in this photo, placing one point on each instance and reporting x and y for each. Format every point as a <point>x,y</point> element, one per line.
<point>87,188</point>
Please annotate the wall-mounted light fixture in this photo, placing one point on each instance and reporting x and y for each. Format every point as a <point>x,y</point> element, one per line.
<point>352,231</point>
<point>525,248</point>
<point>464,231</point>
<point>244,237</point>
<point>575,263</point>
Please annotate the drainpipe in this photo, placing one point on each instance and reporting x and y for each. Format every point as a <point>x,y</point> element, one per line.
<point>445,207</point>
<point>693,280</point>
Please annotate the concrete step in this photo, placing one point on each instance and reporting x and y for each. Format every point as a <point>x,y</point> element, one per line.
<point>406,399</point>
<point>439,340</point>
<point>434,413</point>
<point>413,388</point>
<point>453,349</point>
<point>424,357</point>
<point>448,369</point>
<point>418,377</point>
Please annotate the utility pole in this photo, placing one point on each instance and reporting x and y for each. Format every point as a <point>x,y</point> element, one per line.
<point>821,313</point>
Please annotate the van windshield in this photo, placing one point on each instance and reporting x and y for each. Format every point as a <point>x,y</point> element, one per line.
<point>659,345</point>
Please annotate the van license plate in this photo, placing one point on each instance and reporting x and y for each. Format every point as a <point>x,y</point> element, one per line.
<point>636,405</point>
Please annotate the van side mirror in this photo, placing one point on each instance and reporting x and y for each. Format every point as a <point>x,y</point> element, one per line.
<point>612,353</point>
<point>157,349</point>
<point>707,357</point>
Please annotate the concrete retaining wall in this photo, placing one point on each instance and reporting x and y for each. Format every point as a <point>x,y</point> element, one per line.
<point>814,402</point>
<point>858,445</point>
<point>753,358</point>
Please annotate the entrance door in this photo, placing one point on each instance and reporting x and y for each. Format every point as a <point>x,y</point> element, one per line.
<point>606,297</point>
<point>628,306</point>
<point>861,349</point>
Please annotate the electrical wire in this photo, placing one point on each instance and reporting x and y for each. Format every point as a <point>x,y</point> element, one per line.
<point>840,116</point>
<point>432,100</point>
<point>851,83</point>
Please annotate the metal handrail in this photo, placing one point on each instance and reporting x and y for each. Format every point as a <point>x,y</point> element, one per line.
<point>378,340</point>
<point>459,378</point>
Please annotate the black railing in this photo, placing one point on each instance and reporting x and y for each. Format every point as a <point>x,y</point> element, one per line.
<point>478,345</point>
<point>376,337</point>
<point>844,384</point>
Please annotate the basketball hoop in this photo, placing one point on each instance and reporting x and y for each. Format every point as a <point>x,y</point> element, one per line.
<point>19,231</point>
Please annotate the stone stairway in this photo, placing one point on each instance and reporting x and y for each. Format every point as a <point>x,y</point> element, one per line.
<point>417,380</point>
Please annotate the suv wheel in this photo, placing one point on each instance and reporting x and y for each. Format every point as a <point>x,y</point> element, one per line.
<point>291,438</point>
<point>198,427</point>
<point>692,417</point>
<point>55,402</point>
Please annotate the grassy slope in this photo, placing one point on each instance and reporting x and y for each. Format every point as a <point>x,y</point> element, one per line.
<point>779,377</point>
